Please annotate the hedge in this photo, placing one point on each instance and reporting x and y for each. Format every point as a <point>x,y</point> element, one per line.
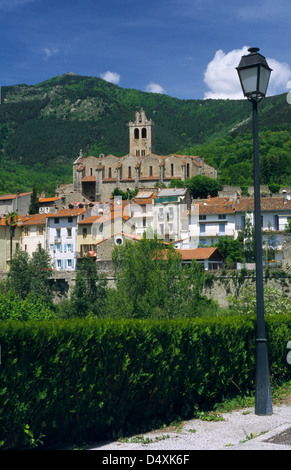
<point>90,379</point>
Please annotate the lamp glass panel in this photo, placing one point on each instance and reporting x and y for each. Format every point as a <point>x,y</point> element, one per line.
<point>249,79</point>
<point>264,80</point>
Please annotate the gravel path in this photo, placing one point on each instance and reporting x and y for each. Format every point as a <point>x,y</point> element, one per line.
<point>238,430</point>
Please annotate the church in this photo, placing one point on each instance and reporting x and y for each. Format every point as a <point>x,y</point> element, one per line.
<point>96,178</point>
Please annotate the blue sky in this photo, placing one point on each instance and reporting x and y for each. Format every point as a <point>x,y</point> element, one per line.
<point>184,48</point>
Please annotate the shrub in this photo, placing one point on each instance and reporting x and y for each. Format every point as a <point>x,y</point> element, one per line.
<point>90,379</point>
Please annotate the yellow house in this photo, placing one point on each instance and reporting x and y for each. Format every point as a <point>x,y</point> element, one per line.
<point>8,243</point>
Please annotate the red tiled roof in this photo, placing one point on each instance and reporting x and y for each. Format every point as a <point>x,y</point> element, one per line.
<point>48,199</point>
<point>88,179</point>
<point>36,219</point>
<point>267,204</point>
<point>6,197</point>
<point>68,213</point>
<point>199,253</point>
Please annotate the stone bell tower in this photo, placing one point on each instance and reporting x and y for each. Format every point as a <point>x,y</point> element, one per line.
<point>141,135</point>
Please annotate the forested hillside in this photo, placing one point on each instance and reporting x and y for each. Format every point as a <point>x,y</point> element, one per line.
<point>44,126</point>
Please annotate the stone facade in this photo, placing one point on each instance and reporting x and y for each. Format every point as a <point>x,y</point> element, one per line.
<point>96,178</point>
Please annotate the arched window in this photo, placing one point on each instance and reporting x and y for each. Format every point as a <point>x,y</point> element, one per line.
<point>188,171</point>
<point>144,133</point>
<point>109,173</point>
<point>129,171</point>
<point>172,169</point>
<point>151,171</point>
<point>136,133</point>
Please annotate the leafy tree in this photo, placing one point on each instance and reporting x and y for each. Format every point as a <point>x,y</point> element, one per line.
<point>150,281</point>
<point>232,250</point>
<point>31,275</point>
<point>40,274</point>
<point>19,274</point>
<point>89,293</point>
<point>201,186</point>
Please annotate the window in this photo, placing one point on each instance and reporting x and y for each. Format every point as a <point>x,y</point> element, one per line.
<point>129,171</point>
<point>59,263</point>
<point>69,232</point>
<point>202,228</point>
<point>276,222</point>
<point>143,153</point>
<point>161,229</point>
<point>91,171</point>
<point>137,153</point>
<point>69,263</point>
<point>70,219</point>
<point>144,133</point>
<point>109,173</point>
<point>40,230</point>
<point>85,232</point>
<point>26,231</point>
<point>136,133</point>
<point>69,248</point>
<point>172,169</point>
<point>221,216</point>
<point>56,220</point>
<point>58,232</point>
<point>171,213</point>
<point>221,228</point>
<point>150,171</point>
<point>161,213</point>
<point>188,170</point>
<point>202,217</point>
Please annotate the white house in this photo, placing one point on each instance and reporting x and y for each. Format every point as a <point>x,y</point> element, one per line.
<point>61,231</point>
<point>170,213</point>
<point>209,220</point>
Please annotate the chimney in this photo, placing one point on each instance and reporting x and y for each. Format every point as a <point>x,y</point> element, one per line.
<point>285,197</point>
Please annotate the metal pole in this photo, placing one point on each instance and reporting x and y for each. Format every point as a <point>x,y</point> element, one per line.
<point>263,400</point>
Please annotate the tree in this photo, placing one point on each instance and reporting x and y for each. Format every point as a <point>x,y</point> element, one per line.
<point>89,293</point>
<point>40,274</point>
<point>201,186</point>
<point>19,274</point>
<point>31,275</point>
<point>151,282</point>
<point>232,250</point>
<point>34,202</point>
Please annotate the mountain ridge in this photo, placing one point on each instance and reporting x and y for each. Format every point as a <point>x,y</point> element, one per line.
<point>48,123</point>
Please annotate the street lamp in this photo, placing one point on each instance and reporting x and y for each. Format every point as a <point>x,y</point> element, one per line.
<point>254,74</point>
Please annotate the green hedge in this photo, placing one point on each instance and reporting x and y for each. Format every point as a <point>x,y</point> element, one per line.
<point>91,379</point>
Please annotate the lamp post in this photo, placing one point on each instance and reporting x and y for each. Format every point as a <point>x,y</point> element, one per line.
<point>254,74</point>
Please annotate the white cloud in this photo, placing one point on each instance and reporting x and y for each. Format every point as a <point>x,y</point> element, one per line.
<point>222,78</point>
<point>111,77</point>
<point>49,52</point>
<point>154,88</point>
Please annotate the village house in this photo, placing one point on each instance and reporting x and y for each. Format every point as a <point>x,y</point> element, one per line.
<point>211,219</point>
<point>170,213</point>
<point>18,203</point>
<point>9,240</point>
<point>33,233</point>
<point>61,241</point>
<point>48,205</point>
<point>210,258</point>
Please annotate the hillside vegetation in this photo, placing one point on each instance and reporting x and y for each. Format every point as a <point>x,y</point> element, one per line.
<point>44,126</point>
